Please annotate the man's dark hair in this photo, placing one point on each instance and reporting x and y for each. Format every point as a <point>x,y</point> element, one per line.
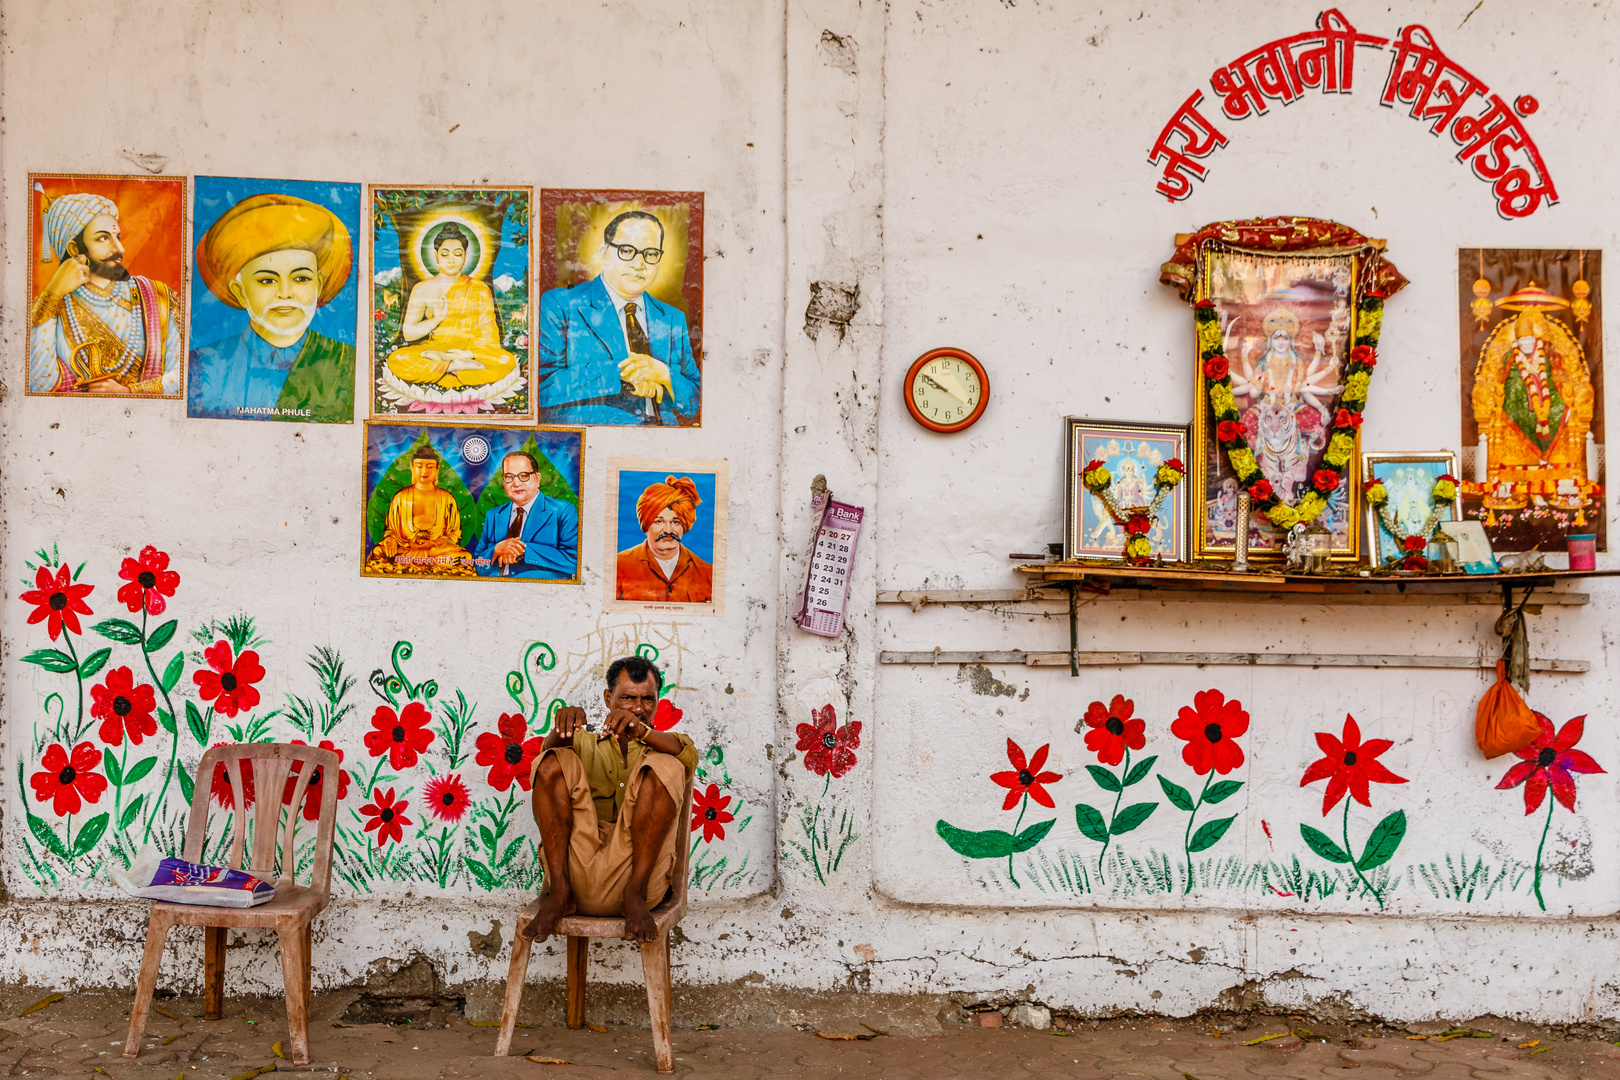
<point>534,466</point>
<point>452,234</point>
<point>636,668</point>
<point>613,226</point>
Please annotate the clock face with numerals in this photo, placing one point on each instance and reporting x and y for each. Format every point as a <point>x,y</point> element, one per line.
<point>946,390</point>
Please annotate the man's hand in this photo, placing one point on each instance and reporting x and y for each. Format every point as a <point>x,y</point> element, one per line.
<point>569,719</point>
<point>508,552</point>
<point>624,724</point>
<point>647,375</point>
<point>69,276</point>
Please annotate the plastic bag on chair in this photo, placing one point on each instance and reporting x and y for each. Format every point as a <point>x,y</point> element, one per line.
<point>1504,723</point>
<point>153,876</point>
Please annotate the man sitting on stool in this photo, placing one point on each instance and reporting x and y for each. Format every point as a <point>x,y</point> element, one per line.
<point>609,836</point>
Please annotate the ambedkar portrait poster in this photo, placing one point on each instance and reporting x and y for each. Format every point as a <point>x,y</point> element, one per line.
<point>666,536</point>
<point>462,501</point>
<point>106,285</point>
<point>621,308</point>
<point>274,318</point>
<point>450,316</point>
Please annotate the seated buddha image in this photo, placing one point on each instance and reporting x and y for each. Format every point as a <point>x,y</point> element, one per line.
<point>423,531</point>
<point>452,335</point>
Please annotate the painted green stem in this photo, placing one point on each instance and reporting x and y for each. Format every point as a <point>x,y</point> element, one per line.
<point>1186,840</point>
<point>73,654</point>
<point>1021,808</point>
<point>1119,795</point>
<point>1350,851</point>
<point>1541,847</point>
<point>174,744</point>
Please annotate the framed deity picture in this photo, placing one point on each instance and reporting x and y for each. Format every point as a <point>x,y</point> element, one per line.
<point>465,502</point>
<point>450,314</point>
<point>1408,480</point>
<point>665,536</point>
<point>1132,453</point>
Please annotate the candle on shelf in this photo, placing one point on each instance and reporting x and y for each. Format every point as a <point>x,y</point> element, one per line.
<point>1591,458</point>
<point>1482,462</point>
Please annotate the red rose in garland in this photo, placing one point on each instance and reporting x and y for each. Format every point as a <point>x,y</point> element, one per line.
<point>58,600</point>
<point>123,708</point>
<point>385,816</point>
<point>447,798</point>
<point>1227,431</point>
<point>1260,490</point>
<point>1137,524</point>
<point>509,755</point>
<point>312,793</point>
<point>150,580</point>
<point>1114,730</point>
<point>230,684</point>
<point>64,781</point>
<point>831,749</point>
<point>709,813</point>
<point>1344,418</point>
<point>1216,369</point>
<point>401,736</point>
<point>1325,480</point>
<point>1364,354</point>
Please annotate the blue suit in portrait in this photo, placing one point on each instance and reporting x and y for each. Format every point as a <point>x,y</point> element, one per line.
<point>581,346</point>
<point>550,538</point>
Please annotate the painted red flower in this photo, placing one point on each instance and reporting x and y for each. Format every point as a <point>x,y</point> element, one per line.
<point>1114,729</point>
<point>64,780</point>
<point>666,715</point>
<point>1348,764</point>
<point>219,785</point>
<point>447,798</point>
<point>1216,368</point>
<point>1211,728</point>
<point>1260,490</point>
<point>509,755</point>
<point>386,816</point>
<point>1364,354</point>
<point>1325,480</point>
<point>709,813</point>
<point>230,684</point>
<point>1344,418</point>
<point>1137,524</point>
<point>150,580</point>
<point>1025,778</point>
<point>57,599</point>
<point>123,708</point>
<point>312,793</point>
<point>401,735</point>
<point>830,748</point>
<point>1549,761</point>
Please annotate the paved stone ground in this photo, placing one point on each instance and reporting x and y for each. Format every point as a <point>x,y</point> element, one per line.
<point>82,1035</point>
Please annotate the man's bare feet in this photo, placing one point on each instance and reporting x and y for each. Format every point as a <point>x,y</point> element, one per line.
<point>638,921</point>
<point>556,904</point>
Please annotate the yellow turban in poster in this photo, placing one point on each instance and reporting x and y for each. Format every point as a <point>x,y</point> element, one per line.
<point>261,224</point>
<point>677,493</point>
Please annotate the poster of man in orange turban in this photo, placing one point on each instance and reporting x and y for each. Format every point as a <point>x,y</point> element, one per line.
<point>667,542</point>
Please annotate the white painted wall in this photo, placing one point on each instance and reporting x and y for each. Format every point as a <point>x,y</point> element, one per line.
<point>887,140</point>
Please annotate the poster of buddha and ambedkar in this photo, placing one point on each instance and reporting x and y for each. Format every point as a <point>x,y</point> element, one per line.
<point>621,308</point>
<point>450,319</point>
<point>1532,394</point>
<point>472,501</point>
<point>273,325</point>
<point>106,285</point>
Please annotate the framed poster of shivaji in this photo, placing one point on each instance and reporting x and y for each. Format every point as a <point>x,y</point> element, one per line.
<point>1531,336</point>
<point>1287,313</point>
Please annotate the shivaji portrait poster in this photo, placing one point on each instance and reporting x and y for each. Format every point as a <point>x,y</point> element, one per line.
<point>1532,395</point>
<point>106,285</point>
<point>273,324</point>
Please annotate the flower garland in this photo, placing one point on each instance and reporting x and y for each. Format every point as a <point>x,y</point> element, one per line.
<point>1138,521</point>
<point>1412,546</point>
<point>1341,442</point>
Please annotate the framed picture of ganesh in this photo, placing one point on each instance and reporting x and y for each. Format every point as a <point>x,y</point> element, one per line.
<point>1288,312</point>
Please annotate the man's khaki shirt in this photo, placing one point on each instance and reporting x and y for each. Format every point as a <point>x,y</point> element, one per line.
<point>608,771</point>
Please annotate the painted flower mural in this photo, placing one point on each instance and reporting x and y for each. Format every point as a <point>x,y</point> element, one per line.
<point>385,815</point>
<point>1551,761</point>
<point>829,752</point>
<point>1113,734</point>
<point>827,747</point>
<point>1351,766</point>
<point>402,735</point>
<point>67,781</point>
<point>124,709</point>
<point>1210,727</point>
<point>508,752</point>
<point>228,680</point>
<point>58,601</point>
<point>1026,780</point>
<point>149,580</point>
<point>709,815</point>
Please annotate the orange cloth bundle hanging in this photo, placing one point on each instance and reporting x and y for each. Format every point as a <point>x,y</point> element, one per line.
<point>1504,723</point>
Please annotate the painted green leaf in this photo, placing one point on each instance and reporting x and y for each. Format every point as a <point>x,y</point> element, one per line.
<point>992,844</point>
<point>1209,834</point>
<point>186,785</point>
<point>131,812</point>
<point>1221,792</point>
<point>1132,816</point>
<point>1178,795</point>
<point>1385,838</point>
<point>171,674</point>
<point>94,663</point>
<point>195,721</point>
<point>90,835</point>
<point>51,660</point>
<point>1032,835</point>
<point>120,630</point>
<point>489,837</point>
<point>137,772</point>
<point>1105,779</point>
<point>161,636</point>
<point>1091,823</point>
<point>109,764</point>
<point>1321,843</point>
<point>482,873</point>
<point>47,836</point>
<point>166,718</point>
<point>1140,770</point>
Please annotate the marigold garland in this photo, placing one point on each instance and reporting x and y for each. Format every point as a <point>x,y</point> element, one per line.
<point>1346,420</point>
<point>1138,521</point>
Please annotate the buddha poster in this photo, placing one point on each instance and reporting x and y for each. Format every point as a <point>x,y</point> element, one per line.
<point>621,308</point>
<point>106,285</point>
<point>450,314</point>
<point>273,323</point>
<point>472,502</point>
<point>1532,395</point>
<point>666,536</point>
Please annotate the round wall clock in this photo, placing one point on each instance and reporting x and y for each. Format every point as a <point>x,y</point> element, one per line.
<point>946,390</point>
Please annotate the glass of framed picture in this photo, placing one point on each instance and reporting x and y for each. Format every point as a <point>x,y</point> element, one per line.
<point>1132,453</point>
<point>1409,479</point>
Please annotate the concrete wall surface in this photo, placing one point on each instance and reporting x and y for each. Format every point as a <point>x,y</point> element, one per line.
<point>879,179</point>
